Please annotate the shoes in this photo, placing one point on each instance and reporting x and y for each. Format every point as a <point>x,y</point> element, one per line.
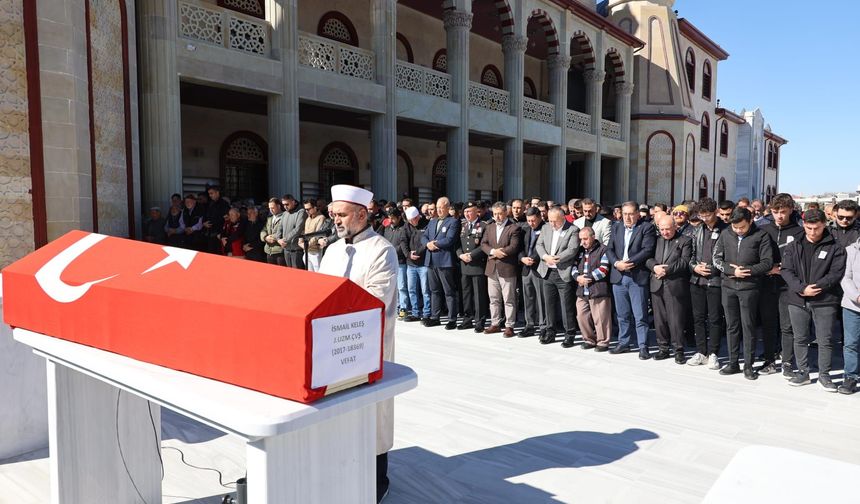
<point>679,357</point>
<point>619,349</point>
<point>644,354</point>
<point>411,318</point>
<point>787,372</point>
<point>587,346</point>
<point>508,333</point>
<point>661,355</point>
<point>432,323</point>
<point>479,328</point>
<point>750,373</point>
<point>848,387</point>
<point>697,360</point>
<point>526,332</point>
<point>601,348</point>
<point>730,369</point>
<point>493,329</point>
<point>451,325</point>
<point>825,381</point>
<point>402,314</point>
<point>713,362</point>
<point>547,337</point>
<point>767,369</point>
<point>568,342</point>
<point>467,324</point>
<point>800,378</point>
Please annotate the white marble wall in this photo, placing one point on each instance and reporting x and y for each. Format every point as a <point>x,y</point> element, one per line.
<point>24,415</point>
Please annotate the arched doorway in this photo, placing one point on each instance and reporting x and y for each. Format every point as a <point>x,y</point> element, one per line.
<point>440,176</point>
<point>337,165</point>
<point>405,175</point>
<point>244,167</point>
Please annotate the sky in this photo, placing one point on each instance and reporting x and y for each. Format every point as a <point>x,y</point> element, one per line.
<point>793,59</point>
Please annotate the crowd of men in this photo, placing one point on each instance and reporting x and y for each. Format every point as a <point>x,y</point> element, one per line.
<point>700,274</point>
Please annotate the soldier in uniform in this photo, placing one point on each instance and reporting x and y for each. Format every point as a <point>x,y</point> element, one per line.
<point>473,261</point>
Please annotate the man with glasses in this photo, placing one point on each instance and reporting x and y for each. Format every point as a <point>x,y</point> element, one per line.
<point>845,227</point>
<point>590,218</point>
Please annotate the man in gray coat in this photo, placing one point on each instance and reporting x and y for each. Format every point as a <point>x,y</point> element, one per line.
<point>557,248</point>
<point>293,224</point>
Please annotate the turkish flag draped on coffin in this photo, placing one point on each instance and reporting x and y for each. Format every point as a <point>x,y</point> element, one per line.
<point>232,320</point>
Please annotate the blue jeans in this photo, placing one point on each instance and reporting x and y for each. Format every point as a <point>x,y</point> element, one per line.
<point>851,326</point>
<point>418,283</point>
<point>402,286</point>
<point>631,304</point>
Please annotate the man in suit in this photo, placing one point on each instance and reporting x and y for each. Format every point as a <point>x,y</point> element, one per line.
<point>441,239</point>
<point>631,244</point>
<point>473,262</point>
<point>557,247</point>
<point>501,243</point>
<point>670,287</point>
<point>532,283</point>
<point>590,218</point>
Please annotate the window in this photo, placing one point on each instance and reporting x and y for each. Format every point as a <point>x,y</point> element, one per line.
<point>703,187</point>
<point>440,60</point>
<point>706,81</point>
<point>252,7</point>
<point>244,169</point>
<point>724,139</point>
<point>529,89</point>
<point>706,132</point>
<point>490,76</point>
<point>335,26</point>
<point>404,49</point>
<point>440,176</point>
<point>769,155</point>
<point>721,191</point>
<point>691,69</point>
<point>775,159</point>
<point>337,165</point>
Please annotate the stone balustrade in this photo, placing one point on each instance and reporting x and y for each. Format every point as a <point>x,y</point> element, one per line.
<point>489,98</point>
<point>578,121</point>
<point>423,80</point>
<point>331,56</point>
<point>204,22</point>
<point>538,110</point>
<point>610,129</point>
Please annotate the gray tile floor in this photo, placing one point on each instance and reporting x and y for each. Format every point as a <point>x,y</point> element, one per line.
<point>513,421</point>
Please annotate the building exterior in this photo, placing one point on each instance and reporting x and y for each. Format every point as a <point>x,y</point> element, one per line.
<point>116,105</point>
<point>758,158</point>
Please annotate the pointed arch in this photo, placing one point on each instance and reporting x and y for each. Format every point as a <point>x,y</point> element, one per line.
<point>690,65</point>
<point>338,164</point>
<point>582,51</point>
<point>336,26</point>
<point>617,69</point>
<point>705,133</point>
<point>549,30</point>
<point>403,42</point>
<point>491,76</point>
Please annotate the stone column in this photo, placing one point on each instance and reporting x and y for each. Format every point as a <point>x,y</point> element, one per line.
<point>283,109</point>
<point>514,48</point>
<point>383,127</point>
<point>160,131</point>
<point>624,93</point>
<point>558,66</point>
<point>458,23</point>
<point>594,106</point>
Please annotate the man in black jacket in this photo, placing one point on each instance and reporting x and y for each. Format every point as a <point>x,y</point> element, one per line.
<point>531,280</point>
<point>743,254</point>
<point>213,223</point>
<point>845,227</point>
<point>416,272</point>
<point>473,261</point>
<point>395,233</point>
<point>812,269</point>
<point>670,286</point>
<point>773,308</point>
<point>705,292</point>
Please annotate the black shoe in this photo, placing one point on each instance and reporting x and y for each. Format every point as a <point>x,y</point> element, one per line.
<point>432,323</point>
<point>787,372</point>
<point>750,373</point>
<point>768,368</point>
<point>467,324</point>
<point>679,357</point>
<point>619,349</point>
<point>526,332</point>
<point>411,318</point>
<point>479,328</point>
<point>568,342</point>
<point>644,354</point>
<point>601,349</point>
<point>800,379</point>
<point>825,381</point>
<point>587,346</point>
<point>661,355</point>
<point>450,326</point>
<point>848,387</point>
<point>730,369</point>
<point>547,336</point>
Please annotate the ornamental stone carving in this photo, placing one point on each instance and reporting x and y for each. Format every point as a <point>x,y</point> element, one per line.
<point>558,62</point>
<point>457,19</point>
<point>624,88</point>
<point>514,43</point>
<point>594,76</point>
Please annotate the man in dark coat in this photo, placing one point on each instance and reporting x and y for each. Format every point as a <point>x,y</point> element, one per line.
<point>441,239</point>
<point>473,262</point>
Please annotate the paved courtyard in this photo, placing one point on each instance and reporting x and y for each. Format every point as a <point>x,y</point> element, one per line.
<point>513,421</point>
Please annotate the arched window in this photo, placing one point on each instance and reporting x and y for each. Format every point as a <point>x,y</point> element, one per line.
<point>660,168</point>
<point>775,158</point>
<point>529,89</point>
<point>244,172</point>
<point>769,155</point>
<point>703,187</point>
<point>706,80</point>
<point>721,190</point>
<point>440,176</point>
<point>706,132</point>
<point>337,165</point>
<point>405,175</point>
<point>404,49</point>
<point>691,69</point>
<point>490,76</point>
<point>251,7</point>
<point>440,60</point>
<point>724,139</point>
<point>335,26</point>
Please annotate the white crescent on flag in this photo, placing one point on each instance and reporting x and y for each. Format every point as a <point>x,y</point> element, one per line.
<point>48,275</point>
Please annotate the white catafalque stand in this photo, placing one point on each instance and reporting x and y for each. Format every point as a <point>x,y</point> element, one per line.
<point>296,453</point>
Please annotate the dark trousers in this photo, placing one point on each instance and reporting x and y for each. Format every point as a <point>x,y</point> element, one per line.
<point>295,258</point>
<point>776,323</point>
<point>532,287</point>
<point>707,318</point>
<point>554,290</point>
<point>670,318</point>
<point>443,290</point>
<point>381,475</point>
<point>476,300</point>
<point>741,308</point>
<point>824,318</point>
<point>276,259</point>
